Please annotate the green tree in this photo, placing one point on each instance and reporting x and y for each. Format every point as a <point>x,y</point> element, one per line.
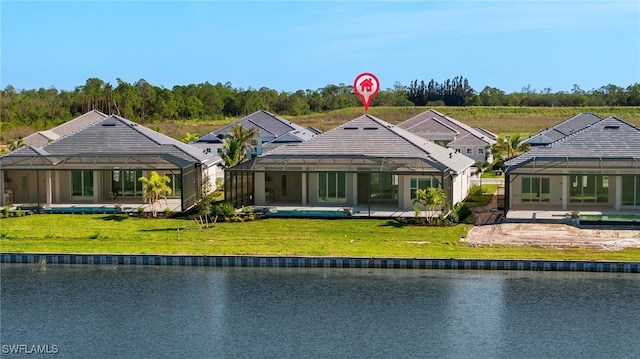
<point>508,147</point>
<point>246,137</point>
<point>481,166</point>
<point>190,137</point>
<point>232,152</point>
<point>154,189</point>
<point>14,145</point>
<point>430,198</point>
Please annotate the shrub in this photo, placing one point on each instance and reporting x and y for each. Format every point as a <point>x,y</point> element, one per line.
<point>459,212</point>
<point>475,190</point>
<point>223,210</point>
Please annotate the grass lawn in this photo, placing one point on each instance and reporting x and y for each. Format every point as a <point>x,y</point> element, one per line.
<point>119,234</point>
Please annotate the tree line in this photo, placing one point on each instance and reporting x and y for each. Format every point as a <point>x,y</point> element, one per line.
<point>143,102</point>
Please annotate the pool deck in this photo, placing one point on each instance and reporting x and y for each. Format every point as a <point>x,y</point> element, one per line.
<point>559,216</point>
<point>133,206</point>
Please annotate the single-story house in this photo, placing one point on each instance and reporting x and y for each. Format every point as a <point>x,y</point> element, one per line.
<point>563,129</point>
<point>41,138</point>
<point>273,132</point>
<point>473,142</point>
<point>364,163</point>
<point>595,168</point>
<point>101,163</point>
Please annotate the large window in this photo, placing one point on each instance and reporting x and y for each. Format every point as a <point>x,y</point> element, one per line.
<point>630,190</point>
<point>422,183</point>
<point>332,186</point>
<point>384,186</point>
<point>535,189</point>
<point>125,182</point>
<point>81,184</point>
<point>589,189</point>
<point>175,183</point>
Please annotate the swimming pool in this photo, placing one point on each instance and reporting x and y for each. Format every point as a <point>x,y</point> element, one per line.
<point>309,213</point>
<point>84,210</point>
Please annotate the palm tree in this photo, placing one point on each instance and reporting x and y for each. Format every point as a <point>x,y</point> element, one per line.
<point>153,188</point>
<point>14,145</point>
<point>237,146</point>
<point>246,137</point>
<point>190,137</point>
<point>233,152</point>
<point>481,166</point>
<point>508,147</point>
<point>430,198</point>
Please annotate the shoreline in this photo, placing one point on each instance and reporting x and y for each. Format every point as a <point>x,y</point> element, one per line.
<point>42,259</point>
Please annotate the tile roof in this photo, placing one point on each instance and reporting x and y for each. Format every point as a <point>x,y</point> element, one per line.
<point>269,126</point>
<point>562,129</point>
<point>610,138</point>
<point>41,138</point>
<point>422,122</point>
<point>372,137</point>
<point>117,136</point>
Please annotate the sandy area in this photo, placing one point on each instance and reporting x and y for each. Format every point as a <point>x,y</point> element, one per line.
<point>552,235</point>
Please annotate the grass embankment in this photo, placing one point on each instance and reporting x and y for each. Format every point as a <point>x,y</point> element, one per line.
<point>500,120</point>
<point>121,234</point>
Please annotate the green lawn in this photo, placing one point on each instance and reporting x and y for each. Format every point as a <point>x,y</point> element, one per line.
<point>118,234</point>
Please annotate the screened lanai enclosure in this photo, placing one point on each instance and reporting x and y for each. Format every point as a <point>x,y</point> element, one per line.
<point>35,179</point>
<point>336,181</point>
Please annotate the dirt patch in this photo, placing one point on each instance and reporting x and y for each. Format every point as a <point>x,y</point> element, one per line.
<point>552,236</point>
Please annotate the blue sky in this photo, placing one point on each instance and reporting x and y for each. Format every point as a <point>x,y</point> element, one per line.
<point>299,45</point>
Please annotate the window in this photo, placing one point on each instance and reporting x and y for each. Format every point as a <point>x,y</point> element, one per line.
<point>457,150</point>
<point>175,183</point>
<point>125,182</point>
<point>535,189</point>
<point>421,183</point>
<point>332,186</point>
<point>480,151</point>
<point>589,189</point>
<point>81,184</point>
<point>469,151</point>
<point>384,186</point>
<point>630,190</point>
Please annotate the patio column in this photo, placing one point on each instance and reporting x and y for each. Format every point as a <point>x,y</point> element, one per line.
<point>97,186</point>
<point>354,185</point>
<point>56,195</point>
<point>565,192</point>
<point>618,192</point>
<point>304,187</point>
<point>48,188</point>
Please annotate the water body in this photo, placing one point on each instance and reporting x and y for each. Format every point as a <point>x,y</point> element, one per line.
<point>170,312</point>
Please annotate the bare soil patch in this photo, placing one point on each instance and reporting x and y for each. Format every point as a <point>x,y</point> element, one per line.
<point>552,236</point>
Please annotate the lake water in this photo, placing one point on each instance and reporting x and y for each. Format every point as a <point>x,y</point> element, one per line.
<point>151,311</point>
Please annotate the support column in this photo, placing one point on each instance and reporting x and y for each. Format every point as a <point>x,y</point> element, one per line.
<point>48,188</point>
<point>618,194</point>
<point>354,185</point>
<point>304,186</point>
<point>97,188</point>
<point>565,192</point>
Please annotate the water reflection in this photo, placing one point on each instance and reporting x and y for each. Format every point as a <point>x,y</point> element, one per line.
<point>144,311</point>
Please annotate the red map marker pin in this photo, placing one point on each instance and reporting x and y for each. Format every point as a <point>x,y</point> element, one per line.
<point>366,86</point>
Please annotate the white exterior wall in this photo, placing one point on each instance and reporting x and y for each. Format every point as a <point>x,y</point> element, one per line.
<point>474,155</point>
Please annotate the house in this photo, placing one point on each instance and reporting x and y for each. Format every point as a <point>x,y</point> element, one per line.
<point>41,138</point>
<point>365,163</point>
<point>594,168</point>
<point>473,142</point>
<point>101,163</point>
<point>273,132</point>
<point>366,86</point>
<point>563,129</point>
